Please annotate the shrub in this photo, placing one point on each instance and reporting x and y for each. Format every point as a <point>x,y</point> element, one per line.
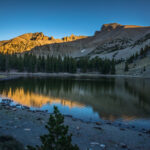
<point>9,143</point>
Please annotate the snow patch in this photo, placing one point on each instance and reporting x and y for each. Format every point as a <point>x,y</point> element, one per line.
<point>82,51</point>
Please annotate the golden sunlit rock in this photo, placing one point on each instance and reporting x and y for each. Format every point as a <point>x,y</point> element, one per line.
<point>28,41</point>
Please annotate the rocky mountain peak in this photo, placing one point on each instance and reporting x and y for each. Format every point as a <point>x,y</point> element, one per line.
<point>72,37</point>
<point>39,36</point>
<point>111,26</point>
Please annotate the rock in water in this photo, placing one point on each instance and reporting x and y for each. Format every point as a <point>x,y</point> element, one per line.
<point>123,145</point>
<point>102,145</point>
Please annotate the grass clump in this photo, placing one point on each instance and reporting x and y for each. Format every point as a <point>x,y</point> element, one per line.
<point>9,143</point>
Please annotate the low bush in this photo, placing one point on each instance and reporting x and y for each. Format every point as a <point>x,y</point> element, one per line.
<point>9,143</point>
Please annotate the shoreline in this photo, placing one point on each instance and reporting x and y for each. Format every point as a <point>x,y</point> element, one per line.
<point>26,126</point>
<point>13,75</point>
<point>6,101</point>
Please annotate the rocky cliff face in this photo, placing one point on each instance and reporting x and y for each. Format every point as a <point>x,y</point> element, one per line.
<point>112,26</point>
<point>119,41</point>
<point>28,41</point>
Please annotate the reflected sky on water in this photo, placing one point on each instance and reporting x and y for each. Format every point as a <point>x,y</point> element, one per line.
<point>87,99</point>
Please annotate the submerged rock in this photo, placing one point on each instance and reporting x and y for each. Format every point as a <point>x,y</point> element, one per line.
<point>6,101</point>
<point>94,143</point>
<point>78,128</point>
<point>98,123</point>
<point>148,132</point>
<point>99,128</point>
<point>102,145</point>
<point>123,145</point>
<point>26,107</point>
<point>27,129</point>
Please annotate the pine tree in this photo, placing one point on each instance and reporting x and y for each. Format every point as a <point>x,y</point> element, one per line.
<point>73,65</point>
<point>58,137</point>
<point>106,66</point>
<point>60,64</point>
<point>136,55</point>
<point>113,69</point>
<point>126,67</point>
<point>144,69</point>
<point>141,51</point>
<point>7,63</point>
<point>20,64</point>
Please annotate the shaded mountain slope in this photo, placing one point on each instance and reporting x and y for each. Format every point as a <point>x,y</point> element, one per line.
<point>112,41</point>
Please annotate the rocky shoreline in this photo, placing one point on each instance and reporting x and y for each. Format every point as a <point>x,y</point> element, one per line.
<point>26,126</point>
<point>13,75</point>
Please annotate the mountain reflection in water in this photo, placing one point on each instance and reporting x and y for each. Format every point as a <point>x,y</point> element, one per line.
<point>88,99</point>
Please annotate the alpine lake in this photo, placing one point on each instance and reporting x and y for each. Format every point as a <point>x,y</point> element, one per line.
<point>89,99</point>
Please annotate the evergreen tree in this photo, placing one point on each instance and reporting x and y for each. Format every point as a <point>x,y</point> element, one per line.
<point>2,62</point>
<point>136,55</point>
<point>32,63</point>
<point>106,67</point>
<point>7,67</point>
<point>126,67</point>
<point>142,52</point>
<point>20,65</point>
<point>144,68</point>
<point>60,64</point>
<point>58,137</point>
<point>113,69</point>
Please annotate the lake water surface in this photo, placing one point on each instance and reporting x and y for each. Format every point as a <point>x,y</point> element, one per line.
<point>112,99</point>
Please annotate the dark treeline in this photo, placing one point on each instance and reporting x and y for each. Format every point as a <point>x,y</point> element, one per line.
<point>31,63</point>
<point>142,54</point>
